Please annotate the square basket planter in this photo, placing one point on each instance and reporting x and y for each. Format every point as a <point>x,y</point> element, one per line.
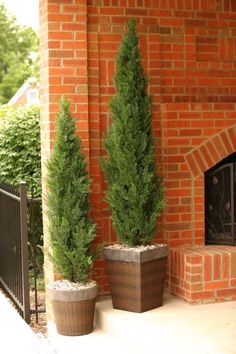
<point>136,278</point>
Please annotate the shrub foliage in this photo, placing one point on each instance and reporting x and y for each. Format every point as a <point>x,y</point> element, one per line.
<point>135,192</point>
<point>71,231</point>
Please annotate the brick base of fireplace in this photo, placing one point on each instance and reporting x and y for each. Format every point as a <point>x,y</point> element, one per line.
<point>203,273</point>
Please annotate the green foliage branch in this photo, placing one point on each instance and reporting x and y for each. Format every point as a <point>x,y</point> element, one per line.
<point>71,230</point>
<point>135,192</point>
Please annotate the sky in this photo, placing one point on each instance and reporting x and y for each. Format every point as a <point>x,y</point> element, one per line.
<point>26,11</point>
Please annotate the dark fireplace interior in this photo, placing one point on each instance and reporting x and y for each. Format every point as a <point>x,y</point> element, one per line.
<point>220,192</point>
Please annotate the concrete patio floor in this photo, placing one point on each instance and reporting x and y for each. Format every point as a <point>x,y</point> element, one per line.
<point>15,335</point>
<point>175,328</point>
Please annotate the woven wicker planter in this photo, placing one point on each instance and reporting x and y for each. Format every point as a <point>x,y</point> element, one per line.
<point>136,278</point>
<point>73,310</point>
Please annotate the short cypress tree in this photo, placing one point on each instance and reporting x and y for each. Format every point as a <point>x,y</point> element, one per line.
<point>135,192</point>
<point>71,231</point>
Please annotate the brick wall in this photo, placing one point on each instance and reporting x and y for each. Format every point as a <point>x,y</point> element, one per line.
<point>188,49</point>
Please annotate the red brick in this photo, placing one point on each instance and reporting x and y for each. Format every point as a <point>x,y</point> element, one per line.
<point>232,135</point>
<point>194,269</point>
<point>233,265</point>
<point>193,164</point>
<point>217,267</point>
<point>227,293</point>
<point>220,284</point>
<point>226,142</point>
<point>225,266</point>
<point>208,268</point>
<point>60,17</point>
<point>194,259</point>
<point>202,295</point>
<point>212,151</point>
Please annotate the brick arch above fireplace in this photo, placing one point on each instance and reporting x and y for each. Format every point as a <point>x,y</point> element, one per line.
<point>195,137</point>
<point>211,151</point>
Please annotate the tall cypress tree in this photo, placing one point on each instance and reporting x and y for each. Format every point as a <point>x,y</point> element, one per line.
<point>135,192</point>
<point>70,228</point>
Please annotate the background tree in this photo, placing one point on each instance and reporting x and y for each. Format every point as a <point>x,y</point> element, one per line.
<point>18,55</point>
<point>135,191</point>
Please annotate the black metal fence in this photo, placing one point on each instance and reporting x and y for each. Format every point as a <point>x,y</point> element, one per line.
<point>14,262</point>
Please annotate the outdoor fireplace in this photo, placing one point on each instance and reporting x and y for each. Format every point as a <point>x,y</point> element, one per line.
<point>204,269</point>
<point>220,215</point>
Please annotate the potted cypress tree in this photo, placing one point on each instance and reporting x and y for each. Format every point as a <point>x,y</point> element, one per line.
<point>71,231</point>
<point>136,267</point>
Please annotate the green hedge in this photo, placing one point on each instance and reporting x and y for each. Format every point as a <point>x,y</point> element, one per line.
<point>20,147</point>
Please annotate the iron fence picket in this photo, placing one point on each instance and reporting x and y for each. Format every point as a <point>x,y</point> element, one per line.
<point>24,251</point>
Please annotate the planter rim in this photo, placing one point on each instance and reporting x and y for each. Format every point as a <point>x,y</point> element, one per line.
<point>132,255</point>
<point>73,295</point>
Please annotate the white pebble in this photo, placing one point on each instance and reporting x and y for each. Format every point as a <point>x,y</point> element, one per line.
<point>65,284</point>
<point>122,247</point>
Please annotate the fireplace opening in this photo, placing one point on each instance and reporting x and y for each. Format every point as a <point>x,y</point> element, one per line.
<point>220,201</point>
